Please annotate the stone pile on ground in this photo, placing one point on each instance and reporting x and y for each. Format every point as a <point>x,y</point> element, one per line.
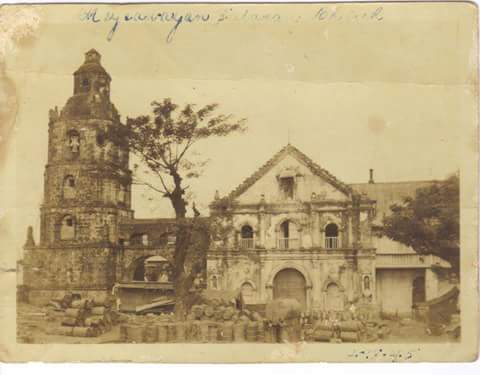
<point>343,327</point>
<point>83,317</point>
<point>215,322</point>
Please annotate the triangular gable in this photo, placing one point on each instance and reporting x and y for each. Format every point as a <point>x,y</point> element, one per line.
<point>300,156</point>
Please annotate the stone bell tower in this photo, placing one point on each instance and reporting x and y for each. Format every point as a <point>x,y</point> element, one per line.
<point>87,188</point>
<point>87,180</point>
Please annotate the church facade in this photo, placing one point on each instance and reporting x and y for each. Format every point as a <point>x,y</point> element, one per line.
<point>296,231</point>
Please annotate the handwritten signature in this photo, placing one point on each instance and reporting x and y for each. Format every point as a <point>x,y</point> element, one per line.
<point>384,355</point>
<point>176,19</point>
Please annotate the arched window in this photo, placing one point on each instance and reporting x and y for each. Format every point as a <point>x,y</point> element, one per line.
<point>288,235</point>
<point>74,141</point>
<point>67,228</point>
<point>122,194</point>
<point>139,239</point>
<point>287,186</point>
<point>69,187</point>
<point>246,237</point>
<point>214,282</point>
<point>331,236</point>
<point>101,138</point>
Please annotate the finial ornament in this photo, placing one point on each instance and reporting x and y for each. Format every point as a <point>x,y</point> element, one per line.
<point>30,241</point>
<point>92,56</point>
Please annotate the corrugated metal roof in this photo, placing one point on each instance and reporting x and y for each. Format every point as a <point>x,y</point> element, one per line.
<point>388,193</point>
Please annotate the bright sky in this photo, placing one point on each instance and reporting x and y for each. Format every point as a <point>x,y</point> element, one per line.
<point>395,94</point>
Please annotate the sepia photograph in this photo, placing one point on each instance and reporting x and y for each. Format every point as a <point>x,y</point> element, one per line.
<point>294,176</point>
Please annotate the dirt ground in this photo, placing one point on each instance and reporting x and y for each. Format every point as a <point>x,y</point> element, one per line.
<point>35,324</point>
<point>413,332</point>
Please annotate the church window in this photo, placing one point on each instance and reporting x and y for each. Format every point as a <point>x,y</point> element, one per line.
<point>366,283</point>
<point>69,187</point>
<point>101,138</point>
<point>287,185</point>
<point>214,282</point>
<point>122,194</point>
<point>288,235</point>
<point>331,236</point>
<point>74,141</point>
<point>67,228</point>
<point>85,83</point>
<point>246,237</point>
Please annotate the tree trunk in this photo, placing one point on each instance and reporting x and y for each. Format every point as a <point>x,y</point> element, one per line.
<point>182,281</point>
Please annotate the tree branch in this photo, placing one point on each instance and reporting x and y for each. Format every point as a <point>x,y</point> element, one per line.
<point>153,187</point>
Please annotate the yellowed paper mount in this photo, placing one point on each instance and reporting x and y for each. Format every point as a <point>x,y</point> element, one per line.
<point>239,182</point>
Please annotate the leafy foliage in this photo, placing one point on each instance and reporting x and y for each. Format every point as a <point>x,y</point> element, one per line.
<point>163,141</point>
<point>429,222</point>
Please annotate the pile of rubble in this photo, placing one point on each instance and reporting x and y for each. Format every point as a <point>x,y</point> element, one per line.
<point>204,323</point>
<point>344,327</point>
<point>84,317</point>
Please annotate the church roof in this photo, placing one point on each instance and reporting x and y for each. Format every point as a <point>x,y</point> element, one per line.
<point>300,156</point>
<point>389,193</point>
<point>92,64</point>
<point>83,106</point>
<point>92,68</point>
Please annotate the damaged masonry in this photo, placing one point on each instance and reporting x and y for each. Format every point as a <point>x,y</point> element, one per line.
<point>302,260</point>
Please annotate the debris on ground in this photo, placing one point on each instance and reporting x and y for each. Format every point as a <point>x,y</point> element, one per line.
<point>82,317</point>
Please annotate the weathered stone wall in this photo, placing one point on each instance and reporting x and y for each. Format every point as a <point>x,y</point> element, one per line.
<point>86,177</point>
<point>309,225</point>
<point>230,270</point>
<point>87,192</point>
<point>49,270</point>
<point>91,224</point>
<point>306,183</point>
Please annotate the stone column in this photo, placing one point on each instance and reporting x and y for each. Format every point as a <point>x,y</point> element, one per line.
<point>261,229</point>
<point>309,299</point>
<point>300,231</point>
<point>316,229</point>
<point>350,232</point>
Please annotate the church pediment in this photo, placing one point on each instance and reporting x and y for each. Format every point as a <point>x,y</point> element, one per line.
<point>290,176</point>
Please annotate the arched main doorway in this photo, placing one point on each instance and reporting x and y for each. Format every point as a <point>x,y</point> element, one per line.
<point>290,283</point>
